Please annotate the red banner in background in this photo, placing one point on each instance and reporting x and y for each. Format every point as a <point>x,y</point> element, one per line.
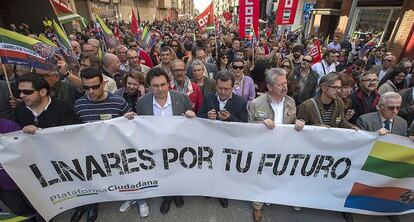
<point>315,51</point>
<point>286,12</point>
<point>203,20</point>
<point>249,17</point>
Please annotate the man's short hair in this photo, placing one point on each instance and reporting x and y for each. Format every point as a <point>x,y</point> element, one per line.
<point>156,72</point>
<point>90,73</point>
<point>271,73</point>
<point>388,95</point>
<point>37,81</point>
<point>135,75</point>
<point>329,79</point>
<point>225,76</point>
<point>297,48</point>
<point>177,61</point>
<point>326,54</point>
<point>368,72</point>
<point>197,48</point>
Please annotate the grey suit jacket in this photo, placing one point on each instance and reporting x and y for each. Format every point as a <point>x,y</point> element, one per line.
<point>179,101</point>
<point>372,122</point>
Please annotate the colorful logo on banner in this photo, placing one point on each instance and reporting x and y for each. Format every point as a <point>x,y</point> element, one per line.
<point>315,51</point>
<point>286,12</point>
<point>206,18</point>
<point>390,160</point>
<point>249,17</point>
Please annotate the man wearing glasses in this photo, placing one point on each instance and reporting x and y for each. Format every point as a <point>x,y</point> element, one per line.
<point>386,119</point>
<point>134,62</point>
<point>326,109</point>
<point>387,64</point>
<point>365,98</point>
<point>97,104</point>
<point>38,109</point>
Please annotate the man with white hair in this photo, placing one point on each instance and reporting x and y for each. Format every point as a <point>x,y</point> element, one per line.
<point>386,119</point>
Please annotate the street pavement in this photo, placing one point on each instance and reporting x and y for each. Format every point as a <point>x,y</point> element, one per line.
<point>200,209</point>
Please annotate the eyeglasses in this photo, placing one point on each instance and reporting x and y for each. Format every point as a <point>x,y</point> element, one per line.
<point>370,80</point>
<point>285,66</point>
<point>94,87</point>
<point>174,46</point>
<point>238,67</point>
<point>178,70</point>
<point>159,85</point>
<point>307,60</point>
<point>133,46</point>
<point>357,68</point>
<point>393,108</point>
<point>334,87</point>
<point>27,91</point>
<point>224,57</point>
<point>387,60</point>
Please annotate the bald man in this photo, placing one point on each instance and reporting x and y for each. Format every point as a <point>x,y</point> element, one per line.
<point>111,71</point>
<point>134,62</point>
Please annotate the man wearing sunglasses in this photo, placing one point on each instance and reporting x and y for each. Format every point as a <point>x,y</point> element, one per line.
<point>97,104</point>
<point>386,119</point>
<point>38,109</point>
<point>387,65</point>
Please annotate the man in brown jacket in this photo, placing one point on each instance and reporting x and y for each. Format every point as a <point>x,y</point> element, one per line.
<point>326,109</point>
<point>274,107</point>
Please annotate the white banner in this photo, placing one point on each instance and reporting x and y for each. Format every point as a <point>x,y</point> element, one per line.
<point>325,168</point>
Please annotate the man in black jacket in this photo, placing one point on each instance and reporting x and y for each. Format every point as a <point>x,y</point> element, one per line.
<point>224,105</point>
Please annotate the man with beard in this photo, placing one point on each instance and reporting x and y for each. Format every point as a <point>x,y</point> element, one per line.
<point>306,80</point>
<point>296,56</point>
<point>326,65</point>
<point>365,99</point>
<point>326,109</point>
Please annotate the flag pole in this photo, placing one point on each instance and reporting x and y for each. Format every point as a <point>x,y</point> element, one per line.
<point>7,80</point>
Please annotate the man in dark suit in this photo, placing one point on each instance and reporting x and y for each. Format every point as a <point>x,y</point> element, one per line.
<point>386,120</point>
<point>162,101</point>
<point>224,105</point>
<point>407,107</point>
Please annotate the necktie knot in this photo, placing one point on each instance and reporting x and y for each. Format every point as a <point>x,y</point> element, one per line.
<point>387,124</point>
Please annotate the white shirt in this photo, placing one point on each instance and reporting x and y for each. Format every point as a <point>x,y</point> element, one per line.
<point>222,104</point>
<point>166,110</point>
<point>35,114</point>
<point>319,67</point>
<point>382,74</point>
<point>278,111</point>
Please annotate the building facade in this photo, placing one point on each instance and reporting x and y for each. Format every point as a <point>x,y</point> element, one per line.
<point>360,17</point>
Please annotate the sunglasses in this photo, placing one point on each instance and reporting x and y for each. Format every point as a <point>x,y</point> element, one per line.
<point>393,107</point>
<point>238,67</point>
<point>94,87</point>
<point>133,46</point>
<point>27,91</point>
<point>284,66</point>
<point>224,57</point>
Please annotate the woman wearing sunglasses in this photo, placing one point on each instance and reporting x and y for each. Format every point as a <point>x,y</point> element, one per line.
<point>243,85</point>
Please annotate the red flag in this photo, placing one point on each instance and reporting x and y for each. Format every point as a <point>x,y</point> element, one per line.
<point>204,19</point>
<point>315,51</point>
<point>117,33</point>
<point>134,23</point>
<point>286,12</point>
<point>249,17</point>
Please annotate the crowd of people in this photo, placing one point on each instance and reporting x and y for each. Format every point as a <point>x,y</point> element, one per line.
<point>216,76</point>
